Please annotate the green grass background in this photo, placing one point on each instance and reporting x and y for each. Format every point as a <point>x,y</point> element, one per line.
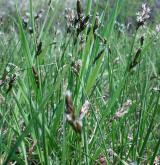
<point>30,115</point>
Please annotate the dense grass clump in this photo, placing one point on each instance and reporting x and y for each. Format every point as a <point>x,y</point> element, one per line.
<point>85,93</point>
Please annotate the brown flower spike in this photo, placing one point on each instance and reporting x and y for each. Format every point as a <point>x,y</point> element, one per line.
<point>135,61</point>
<point>36,77</point>
<point>79,9</point>
<point>70,111</point>
<point>76,123</point>
<point>39,48</point>
<point>11,82</point>
<point>122,111</point>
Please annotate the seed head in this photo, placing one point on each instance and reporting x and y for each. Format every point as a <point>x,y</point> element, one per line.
<point>39,48</point>
<point>79,9</point>
<point>84,109</point>
<point>76,66</point>
<point>124,109</point>
<point>36,76</point>
<point>143,15</point>
<point>39,14</point>
<point>11,82</point>
<point>70,110</point>
<point>135,61</point>
<point>158,28</point>
<point>70,19</point>
<point>75,122</point>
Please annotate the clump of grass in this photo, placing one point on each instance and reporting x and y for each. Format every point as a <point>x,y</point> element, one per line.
<point>115,71</point>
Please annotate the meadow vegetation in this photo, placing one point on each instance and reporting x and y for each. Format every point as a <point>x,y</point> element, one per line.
<point>80,85</point>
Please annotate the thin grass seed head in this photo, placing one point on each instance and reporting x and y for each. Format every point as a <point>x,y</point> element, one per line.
<point>123,110</point>
<point>84,110</point>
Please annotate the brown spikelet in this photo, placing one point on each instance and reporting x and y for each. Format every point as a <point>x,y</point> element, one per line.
<point>76,123</point>
<point>79,9</point>
<point>142,40</point>
<point>39,48</point>
<point>76,66</point>
<point>122,111</point>
<point>77,126</point>
<point>70,110</point>
<point>11,82</point>
<point>135,59</point>
<point>36,77</point>
<point>83,24</point>
<point>98,56</point>
<point>96,24</point>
